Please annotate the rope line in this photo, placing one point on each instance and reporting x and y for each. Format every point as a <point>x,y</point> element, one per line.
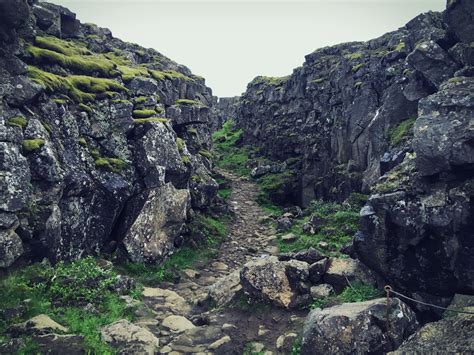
<point>389,289</point>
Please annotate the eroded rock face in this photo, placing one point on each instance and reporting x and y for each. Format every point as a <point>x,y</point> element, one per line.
<point>357,328</point>
<point>418,232</point>
<point>77,168</point>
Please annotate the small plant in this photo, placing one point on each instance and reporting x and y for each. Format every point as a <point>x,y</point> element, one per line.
<point>359,292</point>
<point>180,144</point>
<point>143,113</point>
<point>115,165</point>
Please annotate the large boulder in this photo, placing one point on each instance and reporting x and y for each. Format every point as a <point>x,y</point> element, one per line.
<point>341,272</point>
<point>159,222</point>
<point>357,328</point>
<point>283,283</point>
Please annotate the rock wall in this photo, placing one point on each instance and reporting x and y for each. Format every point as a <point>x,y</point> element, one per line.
<point>393,118</point>
<point>103,144</point>
<point>223,109</point>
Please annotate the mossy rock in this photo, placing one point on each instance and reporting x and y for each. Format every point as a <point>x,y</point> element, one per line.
<point>112,164</point>
<point>143,113</point>
<point>187,102</point>
<point>17,121</point>
<point>180,144</point>
<point>30,145</point>
<point>401,131</point>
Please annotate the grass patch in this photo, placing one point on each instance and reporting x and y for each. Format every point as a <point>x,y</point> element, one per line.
<point>273,187</point>
<point>17,121</point>
<point>168,75</point>
<point>85,108</point>
<point>205,153</point>
<point>401,131</point>
<point>79,87</point>
<point>356,292</point>
<point>229,155</point>
<point>180,144</point>
<point>357,67</point>
<point>30,145</point>
<point>61,292</point>
<point>270,80</point>
<point>128,73</point>
<point>338,225</point>
<point>354,56</point>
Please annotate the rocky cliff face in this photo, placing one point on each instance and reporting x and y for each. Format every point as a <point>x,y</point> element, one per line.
<point>103,144</point>
<point>224,108</point>
<point>393,118</point>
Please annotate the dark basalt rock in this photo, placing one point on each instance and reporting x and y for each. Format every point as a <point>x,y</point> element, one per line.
<point>77,175</point>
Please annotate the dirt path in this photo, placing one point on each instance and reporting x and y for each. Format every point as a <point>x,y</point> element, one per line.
<point>181,315</point>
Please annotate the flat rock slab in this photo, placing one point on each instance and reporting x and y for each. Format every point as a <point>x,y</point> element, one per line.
<point>177,324</point>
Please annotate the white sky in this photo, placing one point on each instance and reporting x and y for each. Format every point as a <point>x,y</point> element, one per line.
<point>229,42</point>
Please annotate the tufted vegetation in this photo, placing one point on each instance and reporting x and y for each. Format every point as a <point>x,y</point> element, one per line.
<point>149,120</point>
<point>401,131</point>
<point>77,63</point>
<point>143,113</point>
<point>79,87</point>
<point>114,165</point>
<point>60,46</point>
<point>168,74</point>
<point>188,102</point>
<point>18,121</point>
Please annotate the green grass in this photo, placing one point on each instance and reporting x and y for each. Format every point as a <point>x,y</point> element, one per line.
<point>224,191</point>
<point>30,145</point>
<point>273,188</point>
<point>355,292</point>
<point>18,121</point>
<point>340,222</point>
<point>205,153</point>
<point>270,80</point>
<point>79,87</point>
<point>61,292</point>
<point>85,108</point>
<point>180,144</point>
<point>401,131</point>
<point>229,155</point>
<point>357,67</point>
<point>354,56</point>
<point>168,75</point>
<point>128,72</point>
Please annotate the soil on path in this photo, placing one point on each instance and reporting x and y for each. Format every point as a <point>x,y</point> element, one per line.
<point>180,314</point>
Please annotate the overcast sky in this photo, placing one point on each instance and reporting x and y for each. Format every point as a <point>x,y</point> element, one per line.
<point>229,42</point>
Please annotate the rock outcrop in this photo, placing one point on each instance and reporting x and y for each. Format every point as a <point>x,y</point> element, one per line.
<point>391,118</point>
<point>103,144</point>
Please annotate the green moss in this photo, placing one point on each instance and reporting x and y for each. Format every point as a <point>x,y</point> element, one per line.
<point>143,113</point>
<point>357,67</point>
<point>85,108</point>
<point>118,59</point>
<point>192,131</point>
<point>112,164</point>
<point>82,142</point>
<point>273,187</point>
<point>401,131</point>
<point>30,145</point>
<point>180,144</point>
<point>354,56</point>
<point>60,101</point>
<point>400,47</point>
<point>168,75</point>
<point>185,159</point>
<point>151,119</point>
<point>128,73</point>
<point>188,102</point>
<point>205,153</point>
<point>18,121</point>
<point>83,64</point>
<point>60,46</point>
<point>79,87</point>
<point>140,99</point>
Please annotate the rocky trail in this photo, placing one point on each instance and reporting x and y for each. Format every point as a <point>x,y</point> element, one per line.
<point>186,321</point>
